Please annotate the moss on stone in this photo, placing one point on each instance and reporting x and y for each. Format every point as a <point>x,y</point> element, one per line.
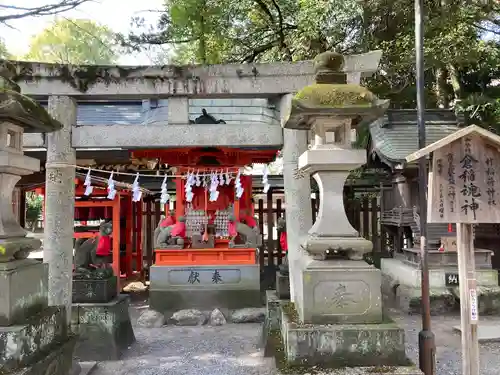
<point>335,96</point>
<point>26,112</point>
<point>331,61</point>
<point>83,77</point>
<point>291,312</point>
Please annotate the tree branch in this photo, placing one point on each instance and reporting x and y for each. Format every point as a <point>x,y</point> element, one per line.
<point>16,12</point>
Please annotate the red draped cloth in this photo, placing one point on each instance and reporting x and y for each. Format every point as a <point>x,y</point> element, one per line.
<point>168,221</point>
<point>283,243</point>
<point>249,220</point>
<point>231,228</point>
<point>104,246</point>
<point>179,230</point>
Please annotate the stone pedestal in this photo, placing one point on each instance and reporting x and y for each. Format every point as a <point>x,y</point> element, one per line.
<point>104,329</point>
<point>94,291</point>
<point>330,165</point>
<point>22,283</point>
<point>39,342</point>
<point>401,287</point>
<point>204,287</point>
<point>341,292</point>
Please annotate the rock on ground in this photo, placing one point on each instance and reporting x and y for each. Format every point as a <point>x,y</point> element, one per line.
<point>249,315</point>
<point>151,319</point>
<point>135,287</point>
<point>189,317</point>
<point>217,318</point>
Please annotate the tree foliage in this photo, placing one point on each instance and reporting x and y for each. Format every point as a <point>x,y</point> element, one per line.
<point>462,42</point>
<point>11,12</point>
<point>4,53</point>
<point>76,41</point>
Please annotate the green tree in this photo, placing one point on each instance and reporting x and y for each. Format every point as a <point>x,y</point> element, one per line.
<point>462,42</point>
<point>75,41</point>
<point>4,53</point>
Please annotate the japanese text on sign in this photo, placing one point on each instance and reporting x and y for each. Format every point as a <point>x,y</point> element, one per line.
<point>473,305</point>
<point>462,186</point>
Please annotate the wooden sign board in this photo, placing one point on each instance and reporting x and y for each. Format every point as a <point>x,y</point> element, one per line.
<point>464,186</point>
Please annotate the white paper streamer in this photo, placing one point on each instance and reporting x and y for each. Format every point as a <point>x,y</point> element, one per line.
<point>88,184</point>
<point>136,190</point>
<point>214,183</point>
<point>239,188</point>
<point>111,187</point>
<point>265,181</point>
<point>165,196</point>
<point>188,187</point>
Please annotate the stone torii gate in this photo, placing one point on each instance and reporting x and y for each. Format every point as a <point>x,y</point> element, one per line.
<point>64,85</point>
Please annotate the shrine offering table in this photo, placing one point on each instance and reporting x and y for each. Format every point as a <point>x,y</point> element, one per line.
<point>205,279</point>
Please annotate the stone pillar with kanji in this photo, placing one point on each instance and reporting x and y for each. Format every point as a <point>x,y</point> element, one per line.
<point>35,337</point>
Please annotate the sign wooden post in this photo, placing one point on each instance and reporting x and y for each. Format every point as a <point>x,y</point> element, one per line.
<point>463,189</point>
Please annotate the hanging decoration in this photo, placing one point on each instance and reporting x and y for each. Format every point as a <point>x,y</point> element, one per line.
<point>214,193</point>
<point>88,184</point>
<point>165,196</point>
<point>238,186</point>
<point>188,188</point>
<point>111,187</point>
<point>136,190</point>
<point>221,179</point>
<point>198,180</point>
<point>228,177</point>
<point>265,181</point>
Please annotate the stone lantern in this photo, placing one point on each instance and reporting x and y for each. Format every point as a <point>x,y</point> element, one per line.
<point>332,106</point>
<point>336,294</point>
<point>34,337</point>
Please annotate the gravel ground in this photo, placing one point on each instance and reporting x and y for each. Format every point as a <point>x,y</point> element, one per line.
<point>231,350</point>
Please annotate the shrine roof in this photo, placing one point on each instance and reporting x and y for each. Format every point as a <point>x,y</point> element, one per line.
<point>395,136</point>
<point>492,138</point>
<point>231,111</point>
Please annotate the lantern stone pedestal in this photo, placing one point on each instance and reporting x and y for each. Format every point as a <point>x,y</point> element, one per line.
<point>34,337</point>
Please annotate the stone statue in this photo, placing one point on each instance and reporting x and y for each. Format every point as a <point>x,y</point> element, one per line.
<point>94,255</point>
<point>249,236</point>
<point>171,236</point>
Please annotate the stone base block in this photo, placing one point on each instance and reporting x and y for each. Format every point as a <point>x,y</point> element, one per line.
<point>58,361</point>
<point>104,329</point>
<point>340,292</point>
<point>23,290</point>
<point>21,345</point>
<point>94,291</point>
<point>401,289</point>
<point>273,310</point>
<point>283,285</point>
<point>342,345</point>
<point>485,332</point>
<point>204,287</point>
<point>166,301</point>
